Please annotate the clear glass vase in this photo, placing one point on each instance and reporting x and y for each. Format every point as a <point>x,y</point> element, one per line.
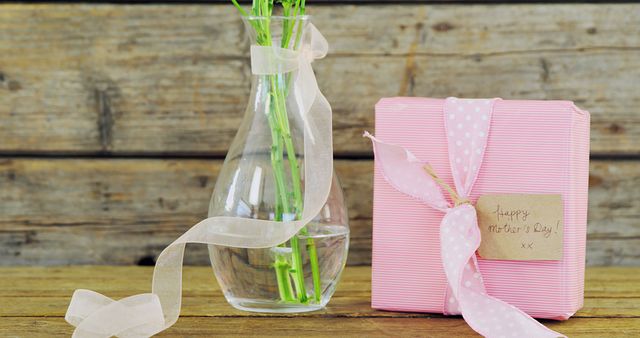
<point>262,178</point>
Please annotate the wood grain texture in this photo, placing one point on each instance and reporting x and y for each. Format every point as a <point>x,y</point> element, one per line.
<point>155,80</point>
<point>38,298</point>
<point>174,79</point>
<point>609,291</point>
<point>329,327</point>
<point>125,211</point>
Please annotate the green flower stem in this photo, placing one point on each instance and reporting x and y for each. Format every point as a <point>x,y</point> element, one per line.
<point>315,269</point>
<point>283,132</point>
<point>297,192</point>
<point>282,268</point>
<point>281,264</point>
<point>280,132</point>
<point>299,9</point>
<point>282,202</point>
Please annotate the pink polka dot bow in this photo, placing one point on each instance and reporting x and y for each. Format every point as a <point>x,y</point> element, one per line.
<point>467,125</point>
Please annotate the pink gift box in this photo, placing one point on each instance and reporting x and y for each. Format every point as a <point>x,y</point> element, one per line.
<point>533,147</point>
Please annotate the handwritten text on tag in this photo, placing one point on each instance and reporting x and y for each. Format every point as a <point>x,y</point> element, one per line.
<point>520,226</point>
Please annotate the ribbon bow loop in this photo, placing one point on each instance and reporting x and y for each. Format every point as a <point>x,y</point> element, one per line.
<point>406,173</point>
<point>95,315</point>
<point>271,60</point>
<point>318,45</point>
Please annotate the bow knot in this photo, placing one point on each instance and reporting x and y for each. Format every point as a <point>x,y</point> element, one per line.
<point>308,55</point>
<point>457,199</point>
<point>272,60</point>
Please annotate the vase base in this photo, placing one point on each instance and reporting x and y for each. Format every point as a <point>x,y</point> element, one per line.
<point>273,307</point>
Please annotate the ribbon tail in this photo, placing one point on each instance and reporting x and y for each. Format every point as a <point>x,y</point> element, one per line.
<point>306,90</point>
<point>489,316</point>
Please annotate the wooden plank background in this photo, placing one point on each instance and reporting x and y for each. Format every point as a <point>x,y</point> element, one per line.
<point>114,119</point>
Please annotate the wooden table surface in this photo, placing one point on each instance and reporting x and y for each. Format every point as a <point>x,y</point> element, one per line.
<point>33,301</point>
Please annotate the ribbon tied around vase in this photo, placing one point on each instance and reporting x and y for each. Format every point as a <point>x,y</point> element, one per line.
<point>95,315</point>
<point>467,123</point>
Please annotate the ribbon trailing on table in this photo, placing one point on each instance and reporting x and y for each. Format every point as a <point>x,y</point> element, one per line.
<point>467,125</point>
<point>144,315</point>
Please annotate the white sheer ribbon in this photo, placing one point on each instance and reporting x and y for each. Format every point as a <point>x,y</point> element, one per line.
<point>144,315</point>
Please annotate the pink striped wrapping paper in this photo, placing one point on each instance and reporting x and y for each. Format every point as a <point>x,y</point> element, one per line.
<point>534,147</point>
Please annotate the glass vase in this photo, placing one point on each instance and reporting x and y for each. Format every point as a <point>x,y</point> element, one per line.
<point>263,178</point>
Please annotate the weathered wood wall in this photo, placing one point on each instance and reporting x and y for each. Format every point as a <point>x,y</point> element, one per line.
<point>114,119</point>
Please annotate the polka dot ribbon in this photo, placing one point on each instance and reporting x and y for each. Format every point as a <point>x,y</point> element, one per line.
<point>467,123</point>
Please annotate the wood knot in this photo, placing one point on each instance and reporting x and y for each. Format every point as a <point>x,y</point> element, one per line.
<point>544,64</point>
<point>442,27</point>
<point>202,181</point>
<point>595,181</point>
<point>14,85</point>
<point>146,261</point>
<point>615,128</point>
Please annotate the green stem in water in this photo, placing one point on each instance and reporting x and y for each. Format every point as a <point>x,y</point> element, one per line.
<point>280,131</point>
<point>297,198</point>
<point>295,173</point>
<point>281,265</point>
<point>275,118</point>
<point>315,269</point>
<point>282,268</point>
<point>284,133</point>
<point>293,163</point>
